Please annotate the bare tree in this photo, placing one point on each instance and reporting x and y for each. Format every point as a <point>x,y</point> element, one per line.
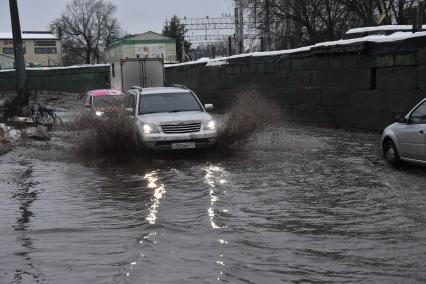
<point>293,23</point>
<point>377,12</point>
<point>86,27</point>
<point>299,21</point>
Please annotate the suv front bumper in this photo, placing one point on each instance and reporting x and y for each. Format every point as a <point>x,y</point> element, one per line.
<point>161,141</point>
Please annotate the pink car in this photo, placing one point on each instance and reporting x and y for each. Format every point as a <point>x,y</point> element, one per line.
<point>104,100</point>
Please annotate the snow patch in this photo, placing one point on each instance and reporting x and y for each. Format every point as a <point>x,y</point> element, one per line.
<point>217,63</point>
<point>60,68</point>
<point>9,35</point>
<point>9,133</point>
<point>382,28</point>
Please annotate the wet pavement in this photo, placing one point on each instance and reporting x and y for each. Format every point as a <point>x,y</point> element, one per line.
<point>298,204</point>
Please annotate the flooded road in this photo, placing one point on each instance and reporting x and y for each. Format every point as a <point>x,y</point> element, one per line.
<point>299,204</point>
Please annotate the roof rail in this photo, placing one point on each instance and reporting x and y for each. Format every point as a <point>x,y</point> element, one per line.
<point>180,86</point>
<point>136,88</point>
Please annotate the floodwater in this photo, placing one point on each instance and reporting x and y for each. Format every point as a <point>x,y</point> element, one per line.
<point>298,204</point>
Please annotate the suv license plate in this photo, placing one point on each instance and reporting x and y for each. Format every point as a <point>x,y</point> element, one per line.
<point>188,145</point>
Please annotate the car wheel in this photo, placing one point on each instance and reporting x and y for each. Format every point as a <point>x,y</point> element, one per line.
<point>391,153</point>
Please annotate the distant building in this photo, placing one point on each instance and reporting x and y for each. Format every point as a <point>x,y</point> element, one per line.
<point>146,45</point>
<point>41,48</point>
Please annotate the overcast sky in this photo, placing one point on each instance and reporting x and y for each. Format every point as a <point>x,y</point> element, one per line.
<point>135,16</point>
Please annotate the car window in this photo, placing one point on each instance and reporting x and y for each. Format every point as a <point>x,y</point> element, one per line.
<point>168,102</point>
<point>108,101</point>
<point>130,101</point>
<point>88,101</point>
<point>419,115</point>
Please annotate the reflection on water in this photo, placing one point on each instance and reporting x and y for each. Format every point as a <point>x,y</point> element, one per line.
<point>25,196</point>
<point>317,208</point>
<point>215,175</point>
<point>212,174</point>
<point>159,191</point>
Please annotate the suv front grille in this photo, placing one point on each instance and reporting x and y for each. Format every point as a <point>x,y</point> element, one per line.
<point>181,128</point>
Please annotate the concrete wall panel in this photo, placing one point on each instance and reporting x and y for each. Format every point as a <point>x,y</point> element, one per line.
<point>360,88</point>
<point>67,80</point>
<point>399,78</point>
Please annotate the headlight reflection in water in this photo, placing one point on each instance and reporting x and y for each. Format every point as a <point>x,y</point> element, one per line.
<point>159,192</point>
<point>214,176</point>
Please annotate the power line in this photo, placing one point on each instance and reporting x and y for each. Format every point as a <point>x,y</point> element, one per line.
<point>207,30</point>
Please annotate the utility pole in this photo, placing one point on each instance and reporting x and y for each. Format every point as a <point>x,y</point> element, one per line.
<point>421,15</point>
<point>237,29</point>
<point>267,26</point>
<point>21,78</point>
<point>414,18</point>
<point>298,26</point>
<point>239,26</point>
<point>183,50</point>
<point>241,8</point>
<point>370,12</point>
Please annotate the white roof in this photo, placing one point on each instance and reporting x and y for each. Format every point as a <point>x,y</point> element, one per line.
<point>29,36</point>
<point>163,90</point>
<point>382,28</point>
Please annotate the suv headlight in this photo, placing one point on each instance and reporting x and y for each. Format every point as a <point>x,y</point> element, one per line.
<point>149,128</point>
<point>210,125</point>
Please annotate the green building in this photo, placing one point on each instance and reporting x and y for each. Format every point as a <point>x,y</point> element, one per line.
<point>146,45</point>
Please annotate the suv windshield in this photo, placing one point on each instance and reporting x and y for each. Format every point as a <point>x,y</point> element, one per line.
<point>107,101</point>
<point>168,102</point>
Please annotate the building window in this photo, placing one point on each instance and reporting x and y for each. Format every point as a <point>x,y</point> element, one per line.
<point>8,50</point>
<point>45,43</point>
<point>113,70</point>
<point>45,50</point>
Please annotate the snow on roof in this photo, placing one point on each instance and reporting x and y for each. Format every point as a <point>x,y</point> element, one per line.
<point>371,38</point>
<point>382,28</point>
<point>9,35</point>
<point>61,68</point>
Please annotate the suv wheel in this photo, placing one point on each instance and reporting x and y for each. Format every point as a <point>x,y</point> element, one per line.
<point>390,153</point>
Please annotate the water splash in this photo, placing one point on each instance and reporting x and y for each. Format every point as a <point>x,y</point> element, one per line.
<point>113,135</point>
<point>251,113</point>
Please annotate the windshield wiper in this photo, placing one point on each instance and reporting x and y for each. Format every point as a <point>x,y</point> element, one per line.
<point>182,110</point>
<point>148,112</point>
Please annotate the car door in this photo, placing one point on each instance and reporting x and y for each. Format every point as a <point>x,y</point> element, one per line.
<point>411,135</point>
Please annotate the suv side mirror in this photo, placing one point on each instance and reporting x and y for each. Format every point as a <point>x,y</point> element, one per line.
<point>209,107</point>
<point>400,118</point>
<point>129,111</point>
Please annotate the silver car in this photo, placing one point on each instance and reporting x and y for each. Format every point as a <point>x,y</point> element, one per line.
<point>405,139</point>
<point>170,118</point>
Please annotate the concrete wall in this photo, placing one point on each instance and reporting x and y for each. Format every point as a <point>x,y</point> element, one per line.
<point>359,85</point>
<point>60,79</point>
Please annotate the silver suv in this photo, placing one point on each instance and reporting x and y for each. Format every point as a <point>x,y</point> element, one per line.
<point>170,118</point>
<point>405,139</point>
